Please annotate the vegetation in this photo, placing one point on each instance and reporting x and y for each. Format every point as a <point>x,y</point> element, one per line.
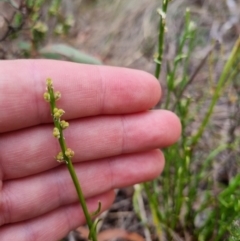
<point>184,201</point>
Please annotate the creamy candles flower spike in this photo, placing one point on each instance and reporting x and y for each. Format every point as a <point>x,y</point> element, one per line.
<point>66,154</point>
<point>52,96</point>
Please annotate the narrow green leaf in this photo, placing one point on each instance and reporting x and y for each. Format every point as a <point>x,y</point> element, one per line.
<point>18,19</point>
<point>98,209</point>
<point>14,3</point>
<point>24,45</point>
<point>64,51</point>
<point>93,229</point>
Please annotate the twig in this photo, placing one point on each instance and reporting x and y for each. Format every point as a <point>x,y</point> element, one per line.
<point>162,29</point>
<point>194,74</point>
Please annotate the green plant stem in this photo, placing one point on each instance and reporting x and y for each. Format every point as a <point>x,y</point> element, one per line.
<point>226,71</point>
<point>81,197</point>
<point>188,33</point>
<point>162,28</point>
<point>154,206</point>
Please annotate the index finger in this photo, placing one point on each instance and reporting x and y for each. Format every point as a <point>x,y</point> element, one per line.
<point>87,90</point>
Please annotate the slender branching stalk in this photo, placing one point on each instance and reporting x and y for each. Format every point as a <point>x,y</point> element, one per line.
<point>66,154</point>
<point>223,78</point>
<point>162,29</point>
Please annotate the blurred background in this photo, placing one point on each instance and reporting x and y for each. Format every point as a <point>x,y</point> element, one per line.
<point>120,32</point>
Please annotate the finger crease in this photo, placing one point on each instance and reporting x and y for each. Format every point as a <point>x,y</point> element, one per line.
<point>39,116</point>
<point>110,167</point>
<point>1,169</point>
<point>122,118</point>
<point>102,91</point>
<point>5,207</point>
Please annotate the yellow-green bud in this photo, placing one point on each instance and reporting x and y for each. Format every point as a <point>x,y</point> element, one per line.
<point>69,153</point>
<point>39,26</point>
<point>56,132</point>
<point>46,96</point>
<point>57,95</point>
<point>57,113</point>
<point>64,124</point>
<point>49,83</point>
<point>69,22</point>
<point>60,157</point>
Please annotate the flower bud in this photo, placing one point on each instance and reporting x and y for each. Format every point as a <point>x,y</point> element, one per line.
<point>56,132</point>
<point>64,124</point>
<point>46,96</point>
<point>57,113</point>
<point>49,83</point>
<point>57,95</point>
<point>59,157</point>
<point>69,153</point>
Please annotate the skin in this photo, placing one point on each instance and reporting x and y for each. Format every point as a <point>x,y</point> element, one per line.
<point>115,137</point>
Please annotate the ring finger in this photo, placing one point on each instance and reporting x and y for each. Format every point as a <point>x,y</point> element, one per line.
<point>29,197</point>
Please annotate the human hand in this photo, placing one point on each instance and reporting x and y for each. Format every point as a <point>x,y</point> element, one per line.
<point>114,136</point>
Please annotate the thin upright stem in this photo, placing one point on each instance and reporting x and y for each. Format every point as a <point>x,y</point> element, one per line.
<point>80,195</point>
<point>162,29</point>
<point>67,159</point>
<point>226,71</point>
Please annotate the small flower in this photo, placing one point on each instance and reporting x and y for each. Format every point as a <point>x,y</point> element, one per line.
<point>56,132</point>
<point>64,124</point>
<point>57,113</point>
<point>57,95</point>
<point>49,83</point>
<point>46,96</point>
<point>59,157</point>
<point>69,153</point>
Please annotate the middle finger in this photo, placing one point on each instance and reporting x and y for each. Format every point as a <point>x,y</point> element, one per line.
<point>29,197</point>
<point>32,151</point>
